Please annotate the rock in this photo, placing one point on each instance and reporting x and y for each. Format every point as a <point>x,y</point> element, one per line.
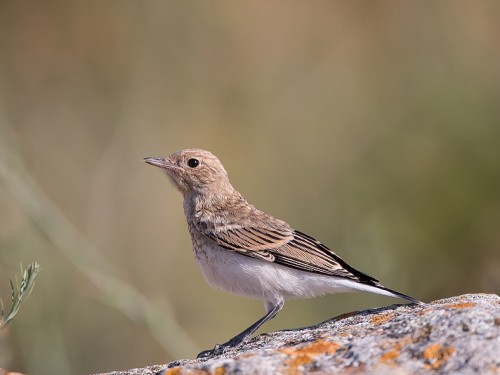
<point>458,335</point>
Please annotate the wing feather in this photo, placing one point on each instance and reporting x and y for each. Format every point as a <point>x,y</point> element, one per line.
<point>249,239</point>
<point>287,247</point>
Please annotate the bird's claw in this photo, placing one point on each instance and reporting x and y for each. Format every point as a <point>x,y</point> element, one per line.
<point>206,354</point>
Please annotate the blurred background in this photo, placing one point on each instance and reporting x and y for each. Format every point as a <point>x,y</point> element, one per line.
<point>373,126</point>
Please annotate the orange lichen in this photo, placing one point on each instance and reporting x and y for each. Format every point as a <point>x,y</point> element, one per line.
<point>437,355</point>
<point>381,318</point>
<point>246,355</point>
<point>389,358</point>
<point>220,371</point>
<point>173,371</point>
<point>494,369</point>
<point>306,354</point>
<point>423,311</point>
<point>460,305</point>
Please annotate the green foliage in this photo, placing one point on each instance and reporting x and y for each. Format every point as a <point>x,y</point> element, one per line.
<point>20,291</point>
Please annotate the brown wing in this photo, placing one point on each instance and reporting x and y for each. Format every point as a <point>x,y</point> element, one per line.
<point>308,254</point>
<point>289,248</point>
<point>252,241</point>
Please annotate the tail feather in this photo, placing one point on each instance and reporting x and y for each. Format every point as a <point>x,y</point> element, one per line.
<point>400,295</point>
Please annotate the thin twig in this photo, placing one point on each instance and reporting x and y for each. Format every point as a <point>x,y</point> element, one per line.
<point>19,293</point>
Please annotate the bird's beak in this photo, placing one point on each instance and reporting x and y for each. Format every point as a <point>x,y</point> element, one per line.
<point>160,163</point>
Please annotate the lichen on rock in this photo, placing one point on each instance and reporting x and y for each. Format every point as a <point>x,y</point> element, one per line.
<point>458,335</point>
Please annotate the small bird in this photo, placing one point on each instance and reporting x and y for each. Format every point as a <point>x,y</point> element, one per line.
<point>245,251</point>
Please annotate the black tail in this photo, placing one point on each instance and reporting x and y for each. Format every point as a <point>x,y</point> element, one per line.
<point>401,295</point>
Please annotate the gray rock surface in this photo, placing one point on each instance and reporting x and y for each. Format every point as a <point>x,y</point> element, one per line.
<point>458,335</point>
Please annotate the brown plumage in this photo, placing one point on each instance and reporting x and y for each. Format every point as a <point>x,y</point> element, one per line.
<point>246,251</point>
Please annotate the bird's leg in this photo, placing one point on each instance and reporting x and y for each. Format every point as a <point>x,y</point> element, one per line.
<point>238,339</point>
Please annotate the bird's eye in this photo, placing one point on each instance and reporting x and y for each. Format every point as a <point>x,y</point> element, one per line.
<point>193,163</point>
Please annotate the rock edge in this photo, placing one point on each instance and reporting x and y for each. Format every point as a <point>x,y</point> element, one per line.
<point>459,335</point>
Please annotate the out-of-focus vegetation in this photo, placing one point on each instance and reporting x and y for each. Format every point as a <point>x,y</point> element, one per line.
<point>373,126</point>
<point>19,291</point>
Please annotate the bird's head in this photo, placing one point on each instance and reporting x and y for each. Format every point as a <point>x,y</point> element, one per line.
<point>192,170</point>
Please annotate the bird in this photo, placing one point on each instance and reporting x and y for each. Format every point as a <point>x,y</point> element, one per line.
<point>245,251</point>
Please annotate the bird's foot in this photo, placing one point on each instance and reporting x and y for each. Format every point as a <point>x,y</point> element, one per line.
<point>217,350</point>
<point>233,343</point>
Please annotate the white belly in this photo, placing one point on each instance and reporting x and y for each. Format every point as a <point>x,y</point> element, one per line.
<point>267,281</point>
